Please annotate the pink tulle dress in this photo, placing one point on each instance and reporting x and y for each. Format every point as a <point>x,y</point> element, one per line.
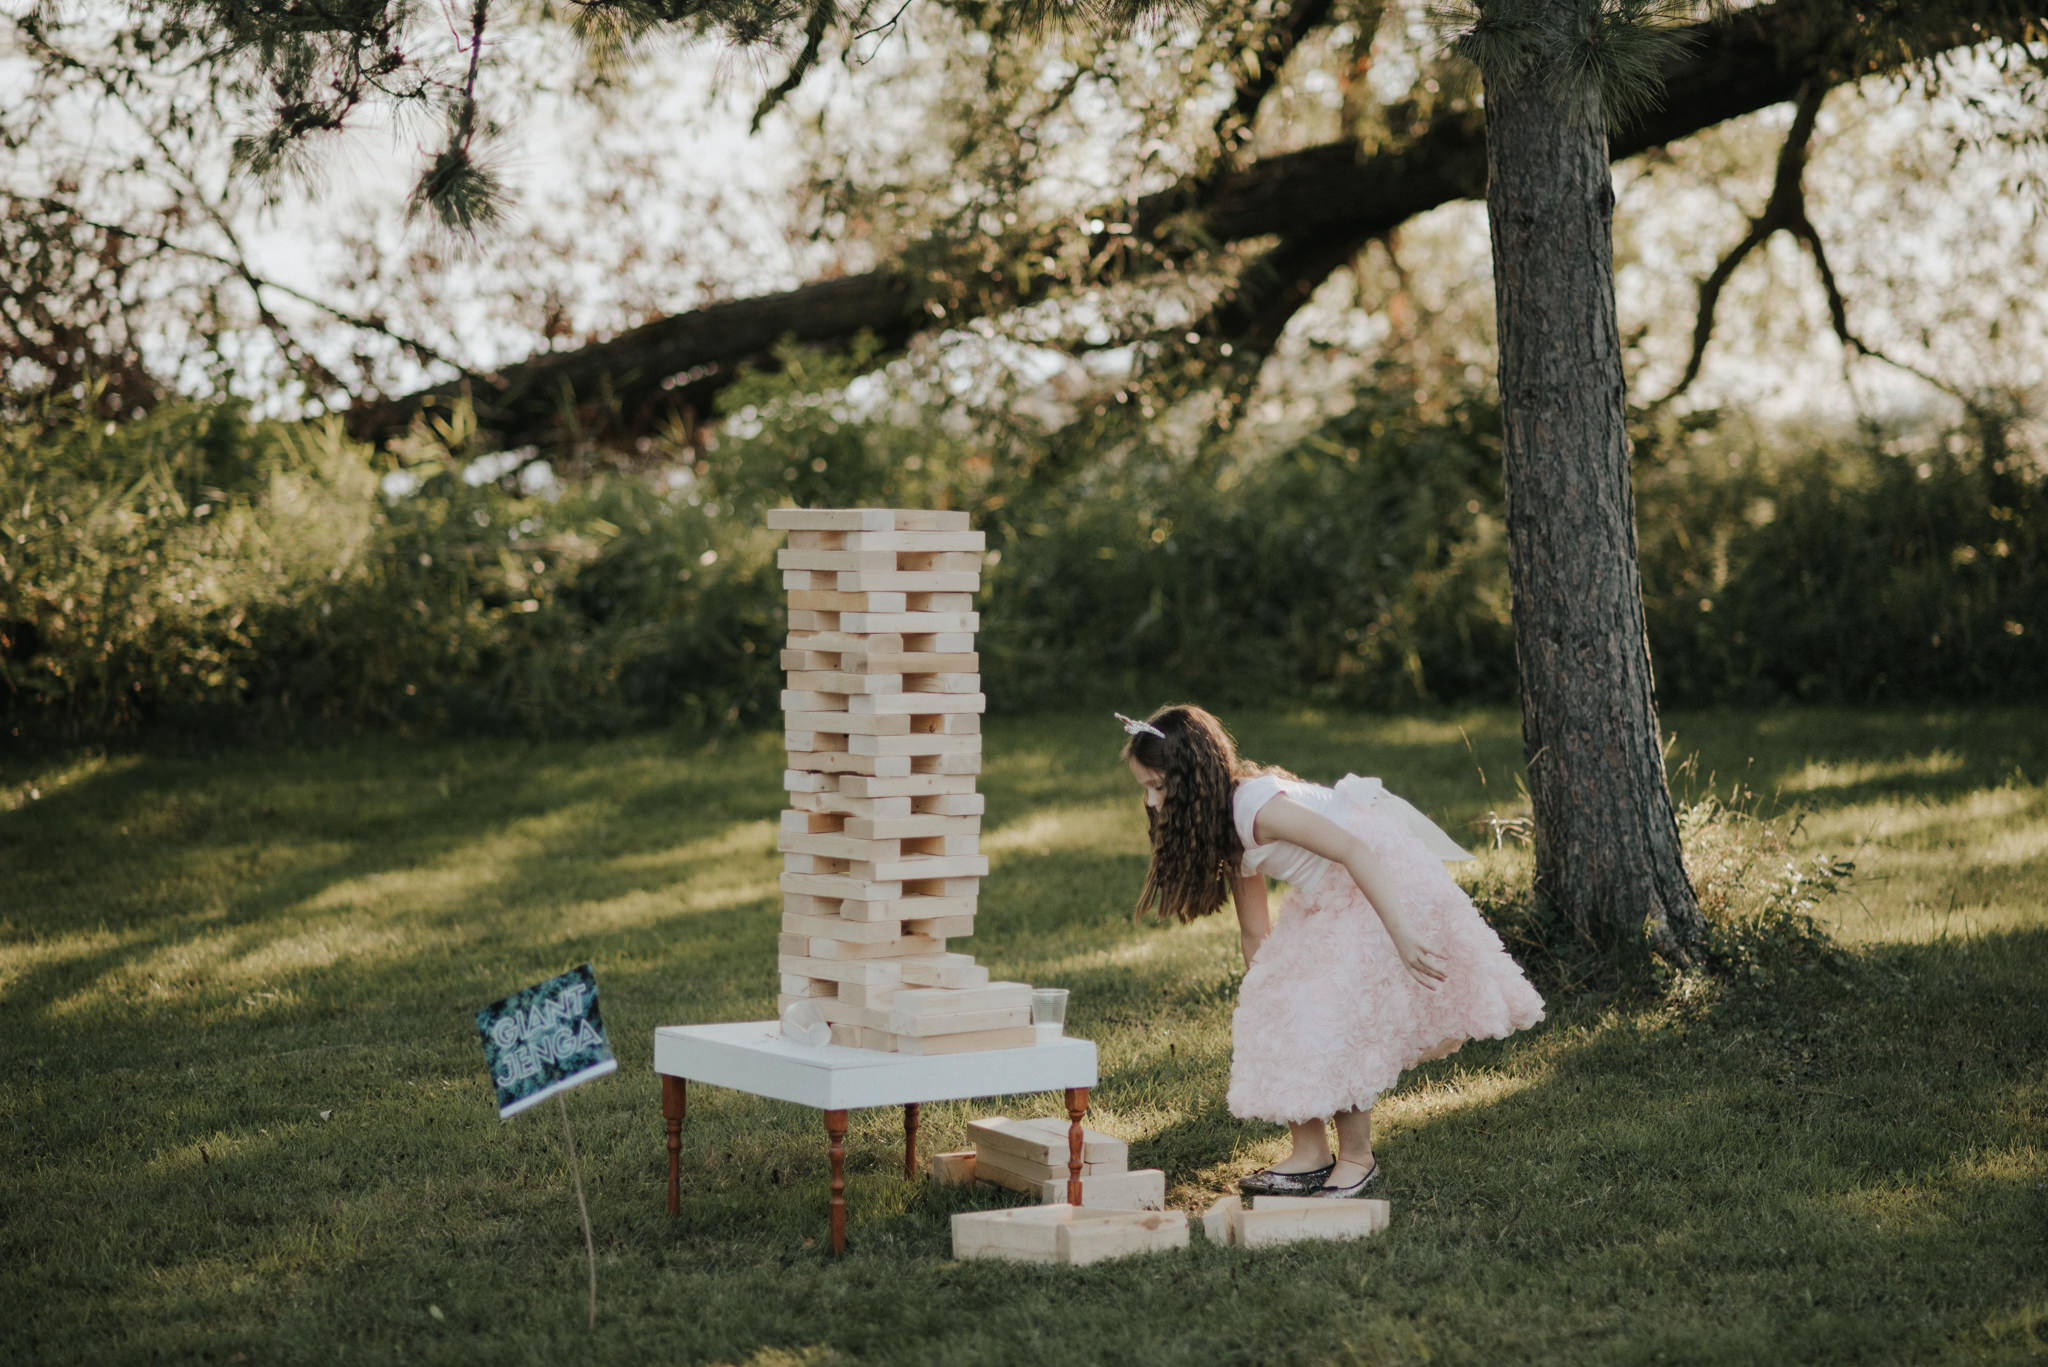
<point>1327,1016</point>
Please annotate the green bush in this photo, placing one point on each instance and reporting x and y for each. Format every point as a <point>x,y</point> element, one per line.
<point>199,568</point>
<point>196,567</point>
<point>1874,571</point>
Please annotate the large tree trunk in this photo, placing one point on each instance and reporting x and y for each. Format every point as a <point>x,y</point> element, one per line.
<point>1607,852</point>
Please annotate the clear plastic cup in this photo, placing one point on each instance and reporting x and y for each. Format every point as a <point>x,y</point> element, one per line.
<point>804,1023</point>
<point>1049,1012</point>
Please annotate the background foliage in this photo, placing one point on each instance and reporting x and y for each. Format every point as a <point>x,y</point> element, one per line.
<point>201,567</point>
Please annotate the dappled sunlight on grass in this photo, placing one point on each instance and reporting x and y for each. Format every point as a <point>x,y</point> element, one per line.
<point>1420,1104</point>
<point>1093,826</point>
<point>1821,774</point>
<point>207,954</point>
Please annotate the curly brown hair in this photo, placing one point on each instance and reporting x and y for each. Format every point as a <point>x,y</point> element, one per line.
<point>1195,845</point>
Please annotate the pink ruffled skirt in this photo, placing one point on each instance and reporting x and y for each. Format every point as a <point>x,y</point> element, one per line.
<point>1327,1018</point>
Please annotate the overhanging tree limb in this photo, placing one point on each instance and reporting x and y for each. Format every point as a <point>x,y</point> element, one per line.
<point>1746,62</point>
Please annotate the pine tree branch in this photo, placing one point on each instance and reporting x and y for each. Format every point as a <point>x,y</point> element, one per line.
<point>1750,60</point>
<point>1259,69</point>
<point>422,351</point>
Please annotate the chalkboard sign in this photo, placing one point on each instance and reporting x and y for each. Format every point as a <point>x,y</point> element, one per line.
<point>545,1039</point>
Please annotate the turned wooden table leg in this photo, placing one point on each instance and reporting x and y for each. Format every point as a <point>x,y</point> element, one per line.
<point>835,1131</point>
<point>1077,1106</point>
<point>672,1107</point>
<point>909,1139</point>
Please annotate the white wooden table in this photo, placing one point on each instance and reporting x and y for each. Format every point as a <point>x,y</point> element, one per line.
<point>752,1056</point>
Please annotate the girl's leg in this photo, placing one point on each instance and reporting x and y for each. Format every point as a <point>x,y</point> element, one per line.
<point>1354,1146</point>
<point>1311,1147</point>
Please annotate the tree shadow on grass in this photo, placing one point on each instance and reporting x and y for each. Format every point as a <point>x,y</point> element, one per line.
<point>1848,1172</point>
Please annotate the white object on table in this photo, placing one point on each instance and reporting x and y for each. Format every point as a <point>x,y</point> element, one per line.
<point>1049,1012</point>
<point>752,1056</point>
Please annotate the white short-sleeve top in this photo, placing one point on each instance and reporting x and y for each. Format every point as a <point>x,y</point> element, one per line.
<point>1277,859</point>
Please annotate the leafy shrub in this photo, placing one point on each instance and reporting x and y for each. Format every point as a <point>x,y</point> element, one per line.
<point>197,567</point>
<point>1882,570</point>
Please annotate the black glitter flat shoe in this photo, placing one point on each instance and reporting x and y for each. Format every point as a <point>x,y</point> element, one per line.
<point>1357,1188</point>
<point>1271,1183</point>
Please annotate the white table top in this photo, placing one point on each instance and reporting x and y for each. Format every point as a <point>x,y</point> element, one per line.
<point>752,1056</point>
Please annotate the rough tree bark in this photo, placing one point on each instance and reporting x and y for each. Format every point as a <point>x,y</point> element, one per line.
<point>1607,851</point>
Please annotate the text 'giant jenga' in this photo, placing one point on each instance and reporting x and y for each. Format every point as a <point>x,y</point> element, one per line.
<point>882,721</point>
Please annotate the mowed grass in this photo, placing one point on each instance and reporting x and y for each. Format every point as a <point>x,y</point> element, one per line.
<point>246,1116</point>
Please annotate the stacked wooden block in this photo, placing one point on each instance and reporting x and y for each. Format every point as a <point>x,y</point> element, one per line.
<point>1031,1156</point>
<point>882,722</point>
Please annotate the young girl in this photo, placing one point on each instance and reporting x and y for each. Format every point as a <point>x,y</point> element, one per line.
<point>1381,962</point>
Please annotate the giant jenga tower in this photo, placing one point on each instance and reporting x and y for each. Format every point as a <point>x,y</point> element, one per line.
<point>882,717</point>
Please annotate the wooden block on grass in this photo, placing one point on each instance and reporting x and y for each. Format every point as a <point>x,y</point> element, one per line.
<point>1075,1235</point>
<point>953,1169</point>
<point>1281,1220</point>
<point>1219,1221</point>
<point>1043,1140</point>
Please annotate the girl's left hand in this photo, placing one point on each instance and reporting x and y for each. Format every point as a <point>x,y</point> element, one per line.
<point>1415,957</point>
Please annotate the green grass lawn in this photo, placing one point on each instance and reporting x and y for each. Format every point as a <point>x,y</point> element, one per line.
<point>246,1117</point>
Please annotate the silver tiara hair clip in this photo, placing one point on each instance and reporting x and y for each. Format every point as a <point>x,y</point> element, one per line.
<point>1134,727</point>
